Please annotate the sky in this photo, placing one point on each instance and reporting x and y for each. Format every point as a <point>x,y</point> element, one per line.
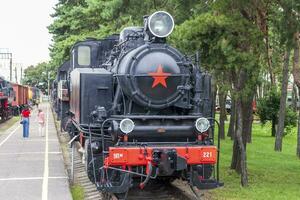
<point>23,29</point>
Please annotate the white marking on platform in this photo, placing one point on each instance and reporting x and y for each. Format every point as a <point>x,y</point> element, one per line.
<point>39,140</point>
<point>31,178</point>
<point>46,167</point>
<point>58,177</point>
<point>9,135</point>
<point>26,153</point>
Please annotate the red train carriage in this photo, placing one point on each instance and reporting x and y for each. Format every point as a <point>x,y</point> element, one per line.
<point>13,98</point>
<point>21,97</point>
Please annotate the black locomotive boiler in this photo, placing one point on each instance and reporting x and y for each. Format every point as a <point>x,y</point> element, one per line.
<point>142,110</point>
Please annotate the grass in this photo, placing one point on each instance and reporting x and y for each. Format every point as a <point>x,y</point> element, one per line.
<point>272,175</point>
<point>77,192</point>
<point>6,125</point>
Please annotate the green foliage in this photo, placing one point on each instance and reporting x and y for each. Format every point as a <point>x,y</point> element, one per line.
<point>78,20</point>
<point>268,107</point>
<point>38,76</point>
<point>287,21</point>
<point>77,192</point>
<point>290,120</point>
<point>228,44</point>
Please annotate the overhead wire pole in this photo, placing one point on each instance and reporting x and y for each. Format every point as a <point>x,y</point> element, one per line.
<point>8,56</point>
<point>48,74</point>
<point>16,74</point>
<point>10,67</point>
<point>21,75</point>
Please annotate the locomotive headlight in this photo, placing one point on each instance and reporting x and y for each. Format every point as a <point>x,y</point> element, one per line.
<point>126,125</point>
<point>202,124</point>
<point>161,24</point>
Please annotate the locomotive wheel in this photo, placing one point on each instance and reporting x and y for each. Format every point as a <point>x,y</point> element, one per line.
<point>122,196</point>
<point>106,195</point>
<point>92,163</point>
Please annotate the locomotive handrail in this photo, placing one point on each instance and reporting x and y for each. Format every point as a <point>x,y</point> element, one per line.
<point>147,75</point>
<point>73,139</point>
<point>157,116</point>
<point>218,147</point>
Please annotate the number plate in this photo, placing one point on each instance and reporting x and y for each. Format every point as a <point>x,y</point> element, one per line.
<point>208,154</point>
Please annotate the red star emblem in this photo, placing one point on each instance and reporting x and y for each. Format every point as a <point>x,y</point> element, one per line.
<point>159,77</point>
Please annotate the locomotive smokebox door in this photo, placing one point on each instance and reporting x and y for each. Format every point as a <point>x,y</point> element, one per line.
<point>153,75</point>
<point>90,88</point>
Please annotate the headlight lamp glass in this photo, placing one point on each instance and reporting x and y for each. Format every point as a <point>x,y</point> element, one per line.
<point>161,24</point>
<point>202,124</point>
<point>126,125</point>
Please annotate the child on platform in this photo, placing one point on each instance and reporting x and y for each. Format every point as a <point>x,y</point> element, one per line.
<point>41,121</point>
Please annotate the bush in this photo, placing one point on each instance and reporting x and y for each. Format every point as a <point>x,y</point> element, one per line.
<point>290,120</point>
<point>268,108</point>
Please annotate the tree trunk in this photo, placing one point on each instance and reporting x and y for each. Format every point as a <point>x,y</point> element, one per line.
<point>294,98</point>
<point>298,136</point>
<point>247,110</point>
<point>296,67</point>
<point>240,147</point>
<point>239,162</point>
<point>235,155</point>
<point>269,56</point>
<point>296,74</point>
<point>273,128</point>
<point>231,127</point>
<point>280,129</point>
<point>262,18</point>
<point>222,101</point>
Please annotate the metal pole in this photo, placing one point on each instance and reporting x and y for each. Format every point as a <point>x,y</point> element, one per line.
<point>48,85</point>
<point>10,67</point>
<point>16,74</point>
<point>21,74</point>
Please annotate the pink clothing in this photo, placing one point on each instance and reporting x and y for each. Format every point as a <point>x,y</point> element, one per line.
<point>41,118</point>
<point>41,129</point>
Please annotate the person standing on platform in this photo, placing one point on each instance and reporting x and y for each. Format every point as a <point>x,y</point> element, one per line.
<point>25,121</point>
<point>41,121</point>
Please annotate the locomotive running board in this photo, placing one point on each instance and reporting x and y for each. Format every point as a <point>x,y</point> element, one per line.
<point>140,156</point>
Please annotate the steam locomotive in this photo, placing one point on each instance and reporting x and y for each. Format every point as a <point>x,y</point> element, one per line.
<point>6,97</point>
<point>141,109</point>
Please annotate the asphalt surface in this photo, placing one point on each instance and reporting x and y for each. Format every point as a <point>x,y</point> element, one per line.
<point>32,169</point>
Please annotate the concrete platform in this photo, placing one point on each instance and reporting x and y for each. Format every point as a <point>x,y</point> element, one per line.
<point>32,169</point>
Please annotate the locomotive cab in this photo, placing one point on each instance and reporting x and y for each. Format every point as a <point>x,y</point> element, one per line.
<point>84,54</point>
